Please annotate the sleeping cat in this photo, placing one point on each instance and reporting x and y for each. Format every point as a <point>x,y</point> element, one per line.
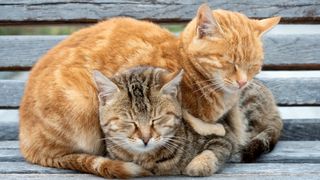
<point>220,52</point>
<point>142,119</point>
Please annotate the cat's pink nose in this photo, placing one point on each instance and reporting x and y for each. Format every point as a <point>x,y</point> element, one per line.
<point>145,140</point>
<point>241,83</point>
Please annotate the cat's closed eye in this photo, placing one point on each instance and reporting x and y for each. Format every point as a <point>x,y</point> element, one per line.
<point>166,121</point>
<point>129,125</point>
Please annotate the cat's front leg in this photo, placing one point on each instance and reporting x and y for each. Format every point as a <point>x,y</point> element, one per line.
<point>217,151</point>
<point>203,128</point>
<point>204,164</point>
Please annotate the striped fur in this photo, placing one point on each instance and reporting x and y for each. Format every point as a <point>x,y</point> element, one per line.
<point>59,109</point>
<point>174,146</point>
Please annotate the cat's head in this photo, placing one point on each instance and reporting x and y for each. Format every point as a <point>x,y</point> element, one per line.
<point>140,108</point>
<point>226,46</point>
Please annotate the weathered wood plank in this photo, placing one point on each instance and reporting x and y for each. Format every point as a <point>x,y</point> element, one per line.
<point>9,145</point>
<point>9,129</point>
<point>214,177</point>
<point>24,167</point>
<point>301,130</point>
<point>36,176</point>
<point>294,91</point>
<point>285,46</point>
<point>293,46</point>
<point>27,50</point>
<point>287,90</point>
<point>10,155</point>
<point>300,123</point>
<point>293,87</point>
<point>284,152</point>
<point>156,10</point>
<point>293,130</point>
<point>230,170</point>
<point>294,152</point>
<point>10,93</point>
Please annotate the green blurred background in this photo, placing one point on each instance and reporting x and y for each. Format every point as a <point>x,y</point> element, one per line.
<point>61,29</point>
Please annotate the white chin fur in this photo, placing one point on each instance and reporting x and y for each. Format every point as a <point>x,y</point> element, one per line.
<point>139,146</point>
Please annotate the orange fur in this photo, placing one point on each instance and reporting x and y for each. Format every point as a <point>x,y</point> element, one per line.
<point>59,111</point>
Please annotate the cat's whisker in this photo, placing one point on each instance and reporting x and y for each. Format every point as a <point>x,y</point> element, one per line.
<point>213,81</point>
<point>112,138</point>
<point>202,88</point>
<point>177,146</point>
<point>175,138</point>
<point>169,149</point>
<point>208,80</point>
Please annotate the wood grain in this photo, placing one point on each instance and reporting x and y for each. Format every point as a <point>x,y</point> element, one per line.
<point>300,124</point>
<point>257,170</point>
<point>287,90</point>
<point>10,93</point>
<point>155,10</point>
<point>285,176</point>
<point>293,130</point>
<point>286,45</point>
<point>284,152</point>
<point>21,52</point>
<point>301,130</point>
<point>294,91</point>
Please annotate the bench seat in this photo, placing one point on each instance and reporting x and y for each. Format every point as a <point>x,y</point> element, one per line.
<point>289,158</point>
<point>291,70</point>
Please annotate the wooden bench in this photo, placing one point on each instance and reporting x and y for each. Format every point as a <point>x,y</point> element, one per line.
<point>292,72</point>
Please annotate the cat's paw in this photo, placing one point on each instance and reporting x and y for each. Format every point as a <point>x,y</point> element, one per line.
<point>135,170</point>
<point>122,170</point>
<point>205,164</point>
<point>219,130</point>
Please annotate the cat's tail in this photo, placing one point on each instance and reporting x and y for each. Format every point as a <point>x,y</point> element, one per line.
<point>264,121</point>
<point>97,165</point>
<point>264,142</point>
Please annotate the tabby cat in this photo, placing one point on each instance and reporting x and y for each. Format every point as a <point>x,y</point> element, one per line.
<point>219,51</point>
<point>142,119</point>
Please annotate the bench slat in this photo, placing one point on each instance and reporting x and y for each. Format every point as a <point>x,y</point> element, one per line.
<point>295,91</point>
<point>10,93</point>
<point>301,130</point>
<point>294,130</point>
<point>214,177</point>
<point>158,10</point>
<point>284,152</point>
<point>231,170</point>
<point>36,176</point>
<point>27,50</point>
<point>286,46</point>
<point>287,90</point>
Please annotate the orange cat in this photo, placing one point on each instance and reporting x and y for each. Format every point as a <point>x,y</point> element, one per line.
<point>59,125</point>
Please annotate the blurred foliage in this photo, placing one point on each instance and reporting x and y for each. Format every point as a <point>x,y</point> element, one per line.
<point>174,27</point>
<point>61,29</point>
<point>39,30</point>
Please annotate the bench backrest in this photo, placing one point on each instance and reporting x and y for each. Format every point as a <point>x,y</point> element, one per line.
<point>291,61</point>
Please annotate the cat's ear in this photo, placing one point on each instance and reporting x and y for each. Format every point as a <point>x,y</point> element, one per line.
<point>172,86</point>
<point>206,24</point>
<point>265,25</point>
<point>105,86</point>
